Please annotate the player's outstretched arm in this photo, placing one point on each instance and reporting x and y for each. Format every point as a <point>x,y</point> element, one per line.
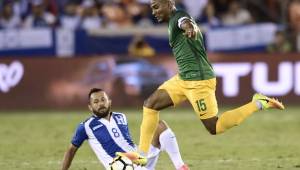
<point>190,30</point>
<point>68,157</point>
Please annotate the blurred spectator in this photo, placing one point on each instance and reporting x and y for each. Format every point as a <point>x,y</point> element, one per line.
<point>140,48</point>
<point>280,44</point>
<point>20,7</point>
<point>39,17</point>
<point>145,16</point>
<point>273,8</point>
<point>97,14</point>
<point>265,11</point>
<point>61,5</point>
<point>236,15</point>
<point>180,5</point>
<point>70,19</point>
<point>90,18</point>
<point>294,18</point>
<point>140,13</point>
<point>208,18</point>
<point>116,16</point>
<point>51,6</point>
<point>8,19</point>
<point>221,7</point>
<point>195,7</point>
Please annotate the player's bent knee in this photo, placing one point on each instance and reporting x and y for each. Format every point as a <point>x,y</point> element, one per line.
<point>211,125</point>
<point>162,126</point>
<point>212,131</point>
<point>149,103</point>
<point>158,100</point>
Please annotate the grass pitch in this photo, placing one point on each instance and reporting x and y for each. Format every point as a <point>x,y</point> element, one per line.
<point>267,140</point>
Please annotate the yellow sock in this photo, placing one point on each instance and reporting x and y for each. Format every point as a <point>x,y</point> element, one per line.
<point>148,127</point>
<point>234,117</point>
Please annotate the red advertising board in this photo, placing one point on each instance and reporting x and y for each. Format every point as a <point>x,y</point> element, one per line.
<point>37,83</point>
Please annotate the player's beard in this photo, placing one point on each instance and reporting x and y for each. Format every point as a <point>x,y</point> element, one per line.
<point>102,111</point>
<point>160,18</point>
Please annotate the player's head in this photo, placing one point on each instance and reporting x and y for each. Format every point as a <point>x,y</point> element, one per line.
<point>162,9</point>
<point>99,102</point>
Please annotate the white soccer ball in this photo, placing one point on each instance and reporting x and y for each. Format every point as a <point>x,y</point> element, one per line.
<point>121,163</point>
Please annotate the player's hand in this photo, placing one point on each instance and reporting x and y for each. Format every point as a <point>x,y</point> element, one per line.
<point>190,33</point>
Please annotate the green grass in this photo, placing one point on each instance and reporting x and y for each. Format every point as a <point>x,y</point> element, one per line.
<point>266,141</point>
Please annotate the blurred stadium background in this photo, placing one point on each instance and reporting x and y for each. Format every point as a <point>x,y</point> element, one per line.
<point>53,51</point>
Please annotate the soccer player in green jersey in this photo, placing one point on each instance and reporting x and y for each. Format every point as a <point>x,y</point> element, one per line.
<point>195,81</point>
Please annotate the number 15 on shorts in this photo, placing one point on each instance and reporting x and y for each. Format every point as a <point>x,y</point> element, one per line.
<point>201,105</point>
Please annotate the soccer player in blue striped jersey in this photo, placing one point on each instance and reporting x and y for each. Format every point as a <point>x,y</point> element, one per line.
<point>107,133</point>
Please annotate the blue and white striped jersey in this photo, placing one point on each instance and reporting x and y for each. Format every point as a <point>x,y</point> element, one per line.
<point>105,137</point>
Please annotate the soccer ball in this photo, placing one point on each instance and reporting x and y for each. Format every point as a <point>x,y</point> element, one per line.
<point>121,163</point>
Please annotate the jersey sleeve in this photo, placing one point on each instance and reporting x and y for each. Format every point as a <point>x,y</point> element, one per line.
<point>180,17</point>
<point>79,136</point>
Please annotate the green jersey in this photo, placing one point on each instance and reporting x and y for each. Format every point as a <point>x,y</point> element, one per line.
<point>189,53</point>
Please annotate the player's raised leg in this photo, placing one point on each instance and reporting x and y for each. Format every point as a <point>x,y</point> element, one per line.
<point>168,94</point>
<point>234,117</point>
<point>201,95</point>
<point>156,102</point>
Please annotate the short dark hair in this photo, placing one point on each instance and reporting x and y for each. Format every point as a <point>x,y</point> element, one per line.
<point>94,90</point>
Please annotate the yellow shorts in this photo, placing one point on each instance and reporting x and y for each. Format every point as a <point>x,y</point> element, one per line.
<point>201,94</point>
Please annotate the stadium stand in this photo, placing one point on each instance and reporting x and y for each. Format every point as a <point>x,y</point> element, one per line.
<point>85,17</point>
